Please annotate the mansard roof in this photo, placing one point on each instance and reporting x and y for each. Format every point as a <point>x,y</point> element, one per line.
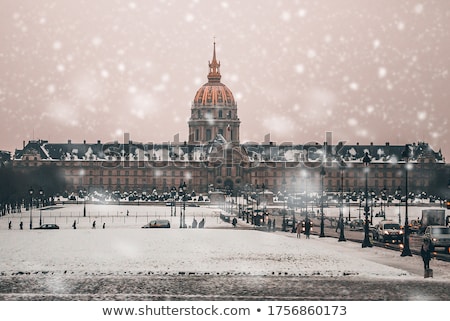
<point>267,152</point>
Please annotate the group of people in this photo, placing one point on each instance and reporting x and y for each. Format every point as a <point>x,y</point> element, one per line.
<point>271,225</point>
<point>195,224</point>
<point>10,225</point>
<point>308,226</point>
<point>94,225</point>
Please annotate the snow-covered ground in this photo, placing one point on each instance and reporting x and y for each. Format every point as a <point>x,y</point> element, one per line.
<point>124,247</point>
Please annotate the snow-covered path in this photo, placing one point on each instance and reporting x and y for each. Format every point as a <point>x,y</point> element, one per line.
<point>123,249</point>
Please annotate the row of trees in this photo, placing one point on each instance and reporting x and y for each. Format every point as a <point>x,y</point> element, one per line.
<point>15,185</point>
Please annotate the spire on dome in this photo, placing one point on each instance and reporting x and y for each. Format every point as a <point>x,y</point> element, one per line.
<point>214,67</point>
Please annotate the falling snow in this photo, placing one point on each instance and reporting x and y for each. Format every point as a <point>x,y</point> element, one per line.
<point>368,71</point>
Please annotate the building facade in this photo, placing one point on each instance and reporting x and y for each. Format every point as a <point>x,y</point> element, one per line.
<point>214,158</point>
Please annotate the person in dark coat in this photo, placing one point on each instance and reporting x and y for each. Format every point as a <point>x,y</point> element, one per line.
<point>74,225</point>
<point>234,222</point>
<point>307,228</point>
<point>425,252</point>
<point>202,223</point>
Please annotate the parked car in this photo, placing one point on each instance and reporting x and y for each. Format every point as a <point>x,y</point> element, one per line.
<point>388,231</point>
<point>357,224</point>
<point>192,205</point>
<point>290,224</point>
<point>439,236</point>
<point>157,224</point>
<point>47,227</point>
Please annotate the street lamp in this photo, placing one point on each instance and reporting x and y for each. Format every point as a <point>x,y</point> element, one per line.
<point>366,242</point>
<point>30,191</point>
<point>264,197</point>
<point>257,201</point>
<point>182,191</point>
<point>283,225</point>
<point>341,209</point>
<point>41,195</point>
<point>406,250</point>
<point>398,194</point>
<point>294,200</point>
<point>84,203</point>
<point>173,192</point>
<point>322,224</point>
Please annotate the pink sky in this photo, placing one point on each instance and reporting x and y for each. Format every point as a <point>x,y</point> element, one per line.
<point>367,71</point>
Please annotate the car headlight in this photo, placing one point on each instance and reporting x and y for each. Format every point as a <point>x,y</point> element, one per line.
<point>400,232</point>
<point>434,239</point>
<point>386,232</point>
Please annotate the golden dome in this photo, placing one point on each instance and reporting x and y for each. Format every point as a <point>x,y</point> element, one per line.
<point>214,93</point>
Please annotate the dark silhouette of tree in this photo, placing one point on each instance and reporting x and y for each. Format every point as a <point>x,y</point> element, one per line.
<point>15,184</point>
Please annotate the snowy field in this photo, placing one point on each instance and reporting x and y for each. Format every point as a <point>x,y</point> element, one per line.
<point>218,248</point>
<point>55,258</point>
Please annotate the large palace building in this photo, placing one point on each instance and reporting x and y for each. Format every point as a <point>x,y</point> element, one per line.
<point>214,158</point>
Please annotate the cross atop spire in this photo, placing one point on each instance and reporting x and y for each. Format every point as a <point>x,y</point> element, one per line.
<point>214,67</point>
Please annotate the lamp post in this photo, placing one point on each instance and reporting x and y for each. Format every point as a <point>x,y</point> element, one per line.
<point>30,191</point>
<point>294,201</point>
<point>406,250</point>
<point>283,225</point>
<point>366,242</point>
<point>173,192</point>
<point>41,195</point>
<point>322,224</point>
<point>258,200</point>
<point>84,203</point>
<point>341,209</point>
<point>398,193</point>
<point>182,191</point>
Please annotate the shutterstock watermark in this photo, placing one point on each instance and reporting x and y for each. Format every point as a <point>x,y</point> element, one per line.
<point>216,153</point>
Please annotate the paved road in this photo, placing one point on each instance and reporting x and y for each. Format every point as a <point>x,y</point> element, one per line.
<point>216,287</point>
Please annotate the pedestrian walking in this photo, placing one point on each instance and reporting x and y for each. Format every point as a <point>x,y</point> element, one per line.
<point>307,227</point>
<point>299,229</point>
<point>9,225</point>
<point>74,225</point>
<point>104,225</point>
<point>21,225</point>
<point>93,224</point>
<point>234,222</point>
<point>202,223</point>
<point>425,252</point>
